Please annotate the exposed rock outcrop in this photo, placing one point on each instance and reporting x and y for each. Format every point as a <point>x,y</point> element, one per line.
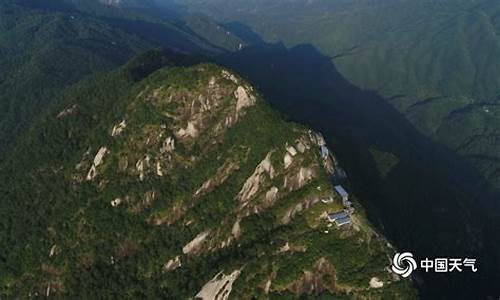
<point>196,243</point>
<point>226,74</point>
<point>118,129</point>
<point>376,283</point>
<point>244,99</point>
<point>272,194</point>
<point>291,150</point>
<point>97,161</point>
<point>172,264</point>
<point>236,230</point>
<point>141,166</point>
<point>116,202</point>
<point>252,184</point>
<point>219,288</point>
<point>317,138</point>
<point>168,145</point>
<point>68,111</point>
<point>287,160</point>
<point>303,143</point>
<point>53,251</point>
<point>298,180</point>
<point>189,131</point>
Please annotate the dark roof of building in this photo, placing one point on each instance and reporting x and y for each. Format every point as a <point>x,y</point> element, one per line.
<point>343,221</point>
<point>341,191</point>
<point>338,215</point>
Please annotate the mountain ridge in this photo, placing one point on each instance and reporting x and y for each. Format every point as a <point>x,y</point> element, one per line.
<point>168,182</point>
<point>434,61</point>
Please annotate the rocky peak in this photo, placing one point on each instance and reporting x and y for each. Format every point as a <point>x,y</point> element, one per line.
<point>189,166</point>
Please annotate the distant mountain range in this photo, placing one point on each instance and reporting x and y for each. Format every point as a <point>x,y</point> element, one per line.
<point>435,61</point>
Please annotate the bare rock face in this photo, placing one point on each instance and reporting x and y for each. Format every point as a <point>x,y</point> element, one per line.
<point>236,230</point>
<point>53,251</point>
<point>68,111</point>
<point>376,283</point>
<point>226,74</point>
<point>284,248</point>
<point>172,264</point>
<point>303,143</point>
<point>118,129</point>
<point>168,145</point>
<point>219,288</point>
<point>116,202</point>
<point>291,150</point>
<point>196,244</point>
<point>159,171</point>
<point>142,165</point>
<point>97,161</point>
<point>252,184</point>
<point>301,147</point>
<point>100,155</point>
<point>189,131</point>
<point>244,99</point>
<point>287,160</point>
<point>272,194</point>
<point>317,138</point>
<point>298,180</point>
<point>203,112</point>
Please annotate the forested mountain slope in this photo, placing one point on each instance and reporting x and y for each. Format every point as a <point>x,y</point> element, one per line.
<point>166,178</point>
<point>46,46</point>
<point>116,176</point>
<point>395,86</point>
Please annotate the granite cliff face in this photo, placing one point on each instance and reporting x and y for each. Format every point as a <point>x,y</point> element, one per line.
<point>185,184</point>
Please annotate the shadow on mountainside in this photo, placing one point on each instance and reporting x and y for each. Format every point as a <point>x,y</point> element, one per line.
<point>429,202</point>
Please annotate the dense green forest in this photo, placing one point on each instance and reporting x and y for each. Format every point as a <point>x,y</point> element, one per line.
<point>67,233</point>
<point>47,46</point>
